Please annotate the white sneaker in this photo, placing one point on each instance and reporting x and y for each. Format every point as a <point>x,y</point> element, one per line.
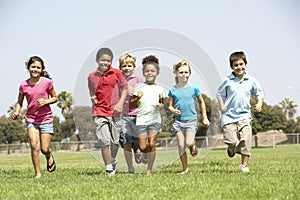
<point>110,172</point>
<point>244,169</point>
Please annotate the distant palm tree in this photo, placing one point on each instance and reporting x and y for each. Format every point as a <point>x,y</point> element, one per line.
<point>289,108</point>
<point>65,102</point>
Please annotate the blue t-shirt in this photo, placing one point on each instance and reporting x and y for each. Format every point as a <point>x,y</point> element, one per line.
<point>236,95</point>
<point>185,99</point>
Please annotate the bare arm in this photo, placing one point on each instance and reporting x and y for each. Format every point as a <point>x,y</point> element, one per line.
<point>205,120</point>
<point>119,105</point>
<point>171,108</point>
<point>15,115</point>
<point>135,99</point>
<point>222,106</point>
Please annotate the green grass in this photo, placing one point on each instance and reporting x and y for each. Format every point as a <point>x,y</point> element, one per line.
<point>274,174</point>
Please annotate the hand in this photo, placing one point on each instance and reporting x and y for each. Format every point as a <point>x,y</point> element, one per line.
<point>223,109</point>
<point>159,105</point>
<point>15,115</point>
<point>140,94</point>
<point>205,122</point>
<point>42,102</point>
<point>118,107</point>
<point>176,111</point>
<point>258,107</point>
<point>93,99</point>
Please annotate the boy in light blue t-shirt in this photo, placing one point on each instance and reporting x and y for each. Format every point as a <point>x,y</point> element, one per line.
<point>234,101</point>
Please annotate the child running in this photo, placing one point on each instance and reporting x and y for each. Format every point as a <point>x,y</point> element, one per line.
<point>128,134</point>
<point>234,101</point>
<point>146,95</point>
<point>182,100</point>
<point>108,91</point>
<point>39,93</point>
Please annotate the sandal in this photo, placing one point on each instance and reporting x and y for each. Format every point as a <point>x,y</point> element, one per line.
<point>52,167</point>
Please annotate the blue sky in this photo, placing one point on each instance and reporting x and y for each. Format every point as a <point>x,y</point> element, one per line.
<point>65,33</point>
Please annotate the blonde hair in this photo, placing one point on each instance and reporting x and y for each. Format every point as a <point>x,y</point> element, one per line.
<point>180,64</point>
<point>127,58</point>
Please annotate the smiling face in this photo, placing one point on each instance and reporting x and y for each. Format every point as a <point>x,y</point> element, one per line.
<point>239,68</point>
<point>183,74</point>
<point>127,68</point>
<point>35,69</point>
<point>104,62</point>
<point>150,73</point>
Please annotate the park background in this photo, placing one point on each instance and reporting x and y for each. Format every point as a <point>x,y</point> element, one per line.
<point>64,33</point>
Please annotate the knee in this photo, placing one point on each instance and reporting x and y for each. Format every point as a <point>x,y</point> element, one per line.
<point>189,144</point>
<point>45,150</point>
<point>152,145</point>
<point>35,146</point>
<point>143,147</point>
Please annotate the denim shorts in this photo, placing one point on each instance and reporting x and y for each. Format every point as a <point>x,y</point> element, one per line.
<point>128,132</point>
<point>146,128</point>
<point>184,125</point>
<point>43,128</point>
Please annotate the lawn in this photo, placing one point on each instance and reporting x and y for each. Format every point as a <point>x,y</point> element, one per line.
<point>274,174</point>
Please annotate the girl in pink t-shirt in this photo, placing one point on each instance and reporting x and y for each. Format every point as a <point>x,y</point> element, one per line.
<point>39,93</point>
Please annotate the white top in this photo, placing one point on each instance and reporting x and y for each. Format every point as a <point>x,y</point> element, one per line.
<point>148,113</point>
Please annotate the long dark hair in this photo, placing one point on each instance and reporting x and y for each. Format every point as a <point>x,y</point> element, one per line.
<point>32,59</point>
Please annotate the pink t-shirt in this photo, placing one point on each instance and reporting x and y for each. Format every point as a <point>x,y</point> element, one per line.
<point>132,80</point>
<point>33,92</point>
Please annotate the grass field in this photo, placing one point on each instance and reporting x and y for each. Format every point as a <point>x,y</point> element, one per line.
<point>274,174</point>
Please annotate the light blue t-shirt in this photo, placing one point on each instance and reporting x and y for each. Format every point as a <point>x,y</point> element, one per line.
<point>185,98</point>
<point>236,96</point>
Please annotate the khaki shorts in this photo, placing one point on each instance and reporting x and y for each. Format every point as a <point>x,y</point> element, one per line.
<point>107,130</point>
<point>238,135</point>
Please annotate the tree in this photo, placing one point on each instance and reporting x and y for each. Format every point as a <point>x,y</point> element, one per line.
<point>270,118</point>
<point>65,103</point>
<point>12,130</point>
<point>57,137</point>
<point>84,123</point>
<point>289,108</point>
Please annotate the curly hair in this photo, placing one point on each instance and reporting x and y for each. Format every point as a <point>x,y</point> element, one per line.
<point>150,60</point>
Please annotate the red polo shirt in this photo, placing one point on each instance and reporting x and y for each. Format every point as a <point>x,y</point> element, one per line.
<point>108,88</point>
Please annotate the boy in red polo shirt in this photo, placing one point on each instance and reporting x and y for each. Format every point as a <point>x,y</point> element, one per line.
<point>108,91</point>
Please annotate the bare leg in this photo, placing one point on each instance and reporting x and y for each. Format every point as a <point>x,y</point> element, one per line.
<point>45,148</point>
<point>181,150</point>
<point>128,156</point>
<point>245,160</point>
<point>189,139</point>
<point>34,137</point>
<point>105,151</point>
<point>143,142</point>
<point>152,149</point>
<point>114,148</point>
